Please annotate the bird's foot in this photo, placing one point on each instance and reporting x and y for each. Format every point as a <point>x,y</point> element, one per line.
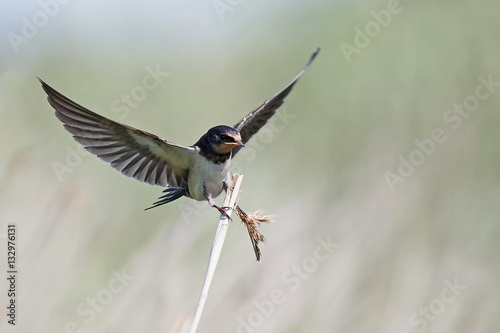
<point>223,210</point>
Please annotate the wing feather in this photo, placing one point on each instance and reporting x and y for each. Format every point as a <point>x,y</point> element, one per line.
<point>135,153</point>
<point>253,122</point>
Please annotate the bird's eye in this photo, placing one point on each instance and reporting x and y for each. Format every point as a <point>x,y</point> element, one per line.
<point>225,137</point>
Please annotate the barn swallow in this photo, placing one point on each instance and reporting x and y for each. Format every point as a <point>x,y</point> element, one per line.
<point>200,172</point>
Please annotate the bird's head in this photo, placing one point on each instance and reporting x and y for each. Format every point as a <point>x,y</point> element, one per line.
<point>223,139</point>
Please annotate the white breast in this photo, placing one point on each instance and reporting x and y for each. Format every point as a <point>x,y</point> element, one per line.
<point>211,174</point>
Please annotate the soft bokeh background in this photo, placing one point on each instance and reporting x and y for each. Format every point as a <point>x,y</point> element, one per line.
<point>322,171</point>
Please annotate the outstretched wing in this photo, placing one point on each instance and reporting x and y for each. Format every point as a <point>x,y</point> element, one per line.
<point>133,152</point>
<point>252,122</point>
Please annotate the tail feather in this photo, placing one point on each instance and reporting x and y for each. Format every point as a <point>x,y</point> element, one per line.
<point>172,193</point>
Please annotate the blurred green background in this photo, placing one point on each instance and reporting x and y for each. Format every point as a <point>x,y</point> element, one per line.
<point>412,254</point>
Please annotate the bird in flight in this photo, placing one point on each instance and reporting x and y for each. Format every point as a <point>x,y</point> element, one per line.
<point>200,172</point>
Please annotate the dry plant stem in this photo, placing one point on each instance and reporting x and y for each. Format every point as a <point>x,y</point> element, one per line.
<point>253,221</point>
<point>220,235</point>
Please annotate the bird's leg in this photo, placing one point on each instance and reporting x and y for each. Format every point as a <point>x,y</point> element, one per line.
<point>225,185</point>
<point>221,210</point>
